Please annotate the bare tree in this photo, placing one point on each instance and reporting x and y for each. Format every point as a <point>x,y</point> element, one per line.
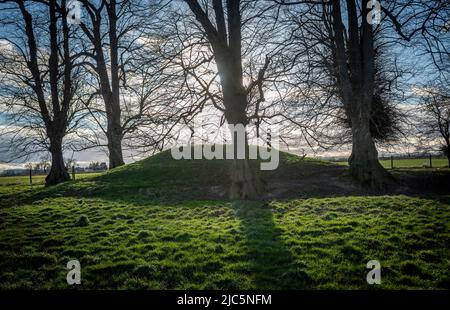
<point>39,79</point>
<point>343,46</point>
<point>117,34</point>
<point>340,37</point>
<point>236,42</point>
<point>109,80</point>
<point>435,116</point>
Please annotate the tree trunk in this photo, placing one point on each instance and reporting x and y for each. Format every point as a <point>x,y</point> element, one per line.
<point>115,131</point>
<point>114,135</point>
<point>364,164</point>
<point>58,172</point>
<point>245,181</point>
<point>447,151</point>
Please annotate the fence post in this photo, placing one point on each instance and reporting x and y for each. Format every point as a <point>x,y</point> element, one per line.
<point>73,172</point>
<point>31,177</point>
<point>431,164</point>
<point>392,162</point>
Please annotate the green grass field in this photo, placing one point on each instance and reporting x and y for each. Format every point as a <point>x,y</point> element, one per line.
<point>36,179</point>
<point>411,163</point>
<point>158,224</point>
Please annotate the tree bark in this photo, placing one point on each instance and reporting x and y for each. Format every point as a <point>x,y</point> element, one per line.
<point>447,151</point>
<point>114,135</point>
<point>58,172</point>
<point>245,180</point>
<point>363,161</point>
<point>111,99</point>
<point>115,131</point>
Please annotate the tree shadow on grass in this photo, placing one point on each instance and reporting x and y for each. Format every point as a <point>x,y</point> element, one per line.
<point>272,265</point>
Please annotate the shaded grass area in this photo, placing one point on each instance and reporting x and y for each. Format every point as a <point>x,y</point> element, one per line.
<point>311,243</point>
<point>161,224</point>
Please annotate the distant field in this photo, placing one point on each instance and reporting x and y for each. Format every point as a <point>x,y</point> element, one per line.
<point>38,179</point>
<point>410,163</point>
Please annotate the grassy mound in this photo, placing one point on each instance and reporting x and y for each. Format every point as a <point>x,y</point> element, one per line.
<point>162,224</point>
<point>161,178</point>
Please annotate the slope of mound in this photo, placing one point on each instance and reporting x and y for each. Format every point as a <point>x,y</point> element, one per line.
<point>161,175</point>
<point>163,178</point>
<point>160,178</point>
